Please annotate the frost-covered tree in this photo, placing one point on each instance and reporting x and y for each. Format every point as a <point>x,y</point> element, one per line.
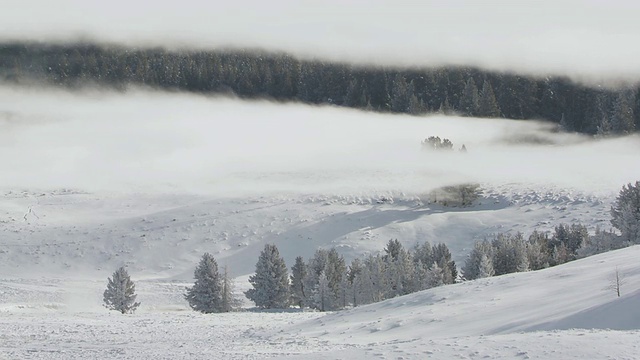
<point>322,294</point>
<point>228,299</point>
<point>398,269</point>
<point>335,270</point>
<point>601,241</point>
<point>353,278</point>
<point>435,276</point>
<point>472,266</point>
<point>625,213</point>
<point>271,280</point>
<point>442,256</point>
<point>315,266</point>
<point>206,293</point>
<point>486,267</point>
<point>298,274</point>
<point>509,254</point>
<point>120,294</point>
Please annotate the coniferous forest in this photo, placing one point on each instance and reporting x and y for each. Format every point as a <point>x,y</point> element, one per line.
<point>252,74</point>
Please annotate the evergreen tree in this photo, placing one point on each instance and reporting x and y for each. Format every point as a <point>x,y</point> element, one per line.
<point>298,274</point>
<point>335,271</point>
<point>625,213</point>
<point>488,105</point>
<point>470,99</point>
<point>435,276</point>
<point>473,264</point>
<point>442,256</point>
<point>622,118</point>
<point>206,294</point>
<point>486,267</point>
<point>322,297</point>
<point>317,264</point>
<point>120,294</point>
<point>271,280</point>
<point>353,277</point>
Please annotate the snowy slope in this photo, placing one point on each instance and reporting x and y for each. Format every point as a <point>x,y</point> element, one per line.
<point>163,236</point>
<point>497,318</point>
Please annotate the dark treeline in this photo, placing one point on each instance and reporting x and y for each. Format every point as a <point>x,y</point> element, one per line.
<point>247,74</point>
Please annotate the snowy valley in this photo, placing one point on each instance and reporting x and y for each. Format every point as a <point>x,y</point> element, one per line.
<point>59,244</point>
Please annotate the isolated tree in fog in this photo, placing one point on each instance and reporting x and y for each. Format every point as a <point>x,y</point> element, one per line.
<point>206,294</point>
<point>271,280</point>
<point>120,294</point>
<point>625,213</point>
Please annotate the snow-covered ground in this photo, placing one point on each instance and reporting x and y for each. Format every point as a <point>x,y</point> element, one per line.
<point>82,196</point>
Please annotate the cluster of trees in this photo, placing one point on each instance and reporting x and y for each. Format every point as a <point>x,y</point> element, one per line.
<point>507,253</point>
<point>460,90</point>
<point>326,282</point>
<point>435,143</point>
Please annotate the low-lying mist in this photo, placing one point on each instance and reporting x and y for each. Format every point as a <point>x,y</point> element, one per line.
<point>172,142</point>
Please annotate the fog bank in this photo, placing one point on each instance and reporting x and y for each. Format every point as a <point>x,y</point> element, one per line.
<point>148,141</point>
<point>586,39</point>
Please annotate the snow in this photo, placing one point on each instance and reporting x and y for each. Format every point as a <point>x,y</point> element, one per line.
<point>82,199</point>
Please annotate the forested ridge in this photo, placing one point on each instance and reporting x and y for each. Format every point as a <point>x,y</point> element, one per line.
<point>252,74</point>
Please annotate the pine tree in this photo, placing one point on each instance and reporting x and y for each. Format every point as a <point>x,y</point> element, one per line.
<point>622,118</point>
<point>470,100</point>
<point>353,278</point>
<point>206,293</point>
<point>625,213</point>
<point>486,267</point>
<point>322,296</point>
<point>298,274</point>
<point>316,265</point>
<point>271,280</point>
<point>442,256</point>
<point>120,293</point>
<point>335,270</point>
<point>488,105</point>
<point>473,264</point>
<point>435,276</point>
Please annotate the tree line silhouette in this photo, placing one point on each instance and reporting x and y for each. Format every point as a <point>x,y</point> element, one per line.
<point>251,74</point>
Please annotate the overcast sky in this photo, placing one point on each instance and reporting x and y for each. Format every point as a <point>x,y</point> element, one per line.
<point>582,38</point>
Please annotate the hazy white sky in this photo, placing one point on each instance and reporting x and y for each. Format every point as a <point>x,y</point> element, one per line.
<point>583,38</point>
<point>180,142</point>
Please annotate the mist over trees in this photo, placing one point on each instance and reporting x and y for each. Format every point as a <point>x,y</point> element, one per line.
<point>246,74</point>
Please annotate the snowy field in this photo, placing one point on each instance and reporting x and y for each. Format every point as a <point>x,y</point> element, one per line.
<point>83,197</point>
